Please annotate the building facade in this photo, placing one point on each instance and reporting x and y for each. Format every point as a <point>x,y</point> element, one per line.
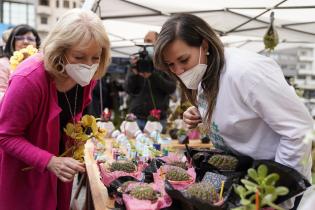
<point>298,65</point>
<point>40,14</point>
<point>49,11</point>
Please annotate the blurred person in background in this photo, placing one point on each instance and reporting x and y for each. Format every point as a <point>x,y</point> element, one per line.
<point>149,89</point>
<point>19,37</point>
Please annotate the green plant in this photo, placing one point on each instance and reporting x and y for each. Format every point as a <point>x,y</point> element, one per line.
<point>179,164</point>
<point>176,174</point>
<point>123,165</point>
<point>259,181</point>
<point>144,192</point>
<point>203,191</point>
<point>223,162</point>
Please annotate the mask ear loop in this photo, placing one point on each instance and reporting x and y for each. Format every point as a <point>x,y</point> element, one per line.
<point>199,54</point>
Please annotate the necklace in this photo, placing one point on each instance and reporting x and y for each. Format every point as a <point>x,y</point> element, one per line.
<point>75,104</point>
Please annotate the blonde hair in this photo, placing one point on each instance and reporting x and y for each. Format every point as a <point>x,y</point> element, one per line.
<point>75,27</point>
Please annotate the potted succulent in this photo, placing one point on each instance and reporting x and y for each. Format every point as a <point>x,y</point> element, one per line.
<point>259,190</point>
<point>105,123</point>
<point>129,126</point>
<point>153,122</point>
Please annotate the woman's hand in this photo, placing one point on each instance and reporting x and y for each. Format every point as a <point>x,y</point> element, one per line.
<point>65,167</point>
<point>192,117</point>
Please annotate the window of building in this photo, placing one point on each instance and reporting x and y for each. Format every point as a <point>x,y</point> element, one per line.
<point>303,53</point>
<point>44,2</point>
<point>44,20</point>
<point>57,3</point>
<point>301,77</point>
<point>66,4</point>
<point>313,77</point>
<point>74,4</point>
<point>302,66</point>
<point>17,13</point>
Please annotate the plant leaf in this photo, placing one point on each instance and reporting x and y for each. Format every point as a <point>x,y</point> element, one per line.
<point>282,190</point>
<point>262,171</point>
<point>252,174</point>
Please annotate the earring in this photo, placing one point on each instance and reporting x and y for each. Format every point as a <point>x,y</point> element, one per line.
<point>207,53</point>
<point>60,66</point>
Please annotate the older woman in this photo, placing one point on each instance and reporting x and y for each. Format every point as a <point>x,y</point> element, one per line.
<point>47,91</point>
<point>20,37</point>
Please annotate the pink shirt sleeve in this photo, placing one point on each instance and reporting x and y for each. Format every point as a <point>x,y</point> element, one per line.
<point>17,111</point>
<point>4,74</point>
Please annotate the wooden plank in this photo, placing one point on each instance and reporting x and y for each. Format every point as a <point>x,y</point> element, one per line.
<point>99,192</point>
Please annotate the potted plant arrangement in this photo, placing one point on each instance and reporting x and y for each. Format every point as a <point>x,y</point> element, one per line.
<point>259,190</point>
<point>106,123</point>
<point>153,122</point>
<point>129,126</point>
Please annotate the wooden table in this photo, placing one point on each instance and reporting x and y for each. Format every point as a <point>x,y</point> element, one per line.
<point>95,186</point>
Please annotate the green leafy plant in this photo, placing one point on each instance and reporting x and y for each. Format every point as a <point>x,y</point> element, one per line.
<point>259,181</point>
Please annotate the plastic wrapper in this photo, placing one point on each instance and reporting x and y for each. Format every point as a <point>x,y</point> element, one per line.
<point>152,168</point>
<point>199,159</point>
<point>191,203</point>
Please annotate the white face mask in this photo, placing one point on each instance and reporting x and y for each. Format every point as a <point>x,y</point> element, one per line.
<point>192,77</point>
<point>81,73</point>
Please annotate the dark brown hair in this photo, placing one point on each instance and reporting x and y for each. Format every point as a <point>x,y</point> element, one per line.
<point>193,31</point>
<point>19,30</point>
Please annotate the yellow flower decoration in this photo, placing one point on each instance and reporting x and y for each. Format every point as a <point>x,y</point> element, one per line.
<point>22,54</point>
<point>80,132</point>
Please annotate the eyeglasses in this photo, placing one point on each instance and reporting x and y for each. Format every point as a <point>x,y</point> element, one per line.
<point>22,38</point>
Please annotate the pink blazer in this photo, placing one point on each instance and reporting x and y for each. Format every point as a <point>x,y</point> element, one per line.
<point>29,136</point>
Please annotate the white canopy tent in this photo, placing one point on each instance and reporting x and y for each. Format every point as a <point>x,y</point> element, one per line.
<point>240,23</point>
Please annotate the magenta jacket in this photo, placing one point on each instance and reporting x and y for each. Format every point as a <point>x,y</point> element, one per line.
<point>29,136</point>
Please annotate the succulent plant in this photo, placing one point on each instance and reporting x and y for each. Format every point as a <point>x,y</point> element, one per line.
<point>203,191</point>
<point>264,185</point>
<point>144,192</point>
<point>179,164</point>
<point>123,165</point>
<point>125,185</point>
<point>175,173</point>
<point>223,162</point>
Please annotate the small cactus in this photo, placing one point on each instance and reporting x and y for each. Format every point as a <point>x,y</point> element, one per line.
<point>179,164</point>
<point>144,192</point>
<point>125,185</point>
<point>123,165</point>
<point>203,191</point>
<point>223,162</point>
<point>175,173</point>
